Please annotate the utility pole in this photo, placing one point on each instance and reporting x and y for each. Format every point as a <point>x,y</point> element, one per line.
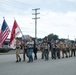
<point>36,9</point>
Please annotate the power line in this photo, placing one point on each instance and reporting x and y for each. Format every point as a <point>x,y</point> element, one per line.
<point>8,7</point>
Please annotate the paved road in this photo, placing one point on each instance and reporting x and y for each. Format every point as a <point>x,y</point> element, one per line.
<point>66,66</point>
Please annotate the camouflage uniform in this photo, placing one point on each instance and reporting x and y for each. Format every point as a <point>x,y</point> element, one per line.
<point>64,51</point>
<point>30,45</point>
<point>46,50</point>
<point>24,50</point>
<point>42,50</point>
<point>58,51</point>
<point>17,51</point>
<point>54,49</point>
<point>73,50</point>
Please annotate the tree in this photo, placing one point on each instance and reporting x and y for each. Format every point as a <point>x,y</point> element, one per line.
<point>51,36</point>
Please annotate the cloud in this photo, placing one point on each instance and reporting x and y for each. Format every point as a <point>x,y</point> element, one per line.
<point>74,1</point>
<point>56,16</point>
<point>62,24</point>
<point>58,23</point>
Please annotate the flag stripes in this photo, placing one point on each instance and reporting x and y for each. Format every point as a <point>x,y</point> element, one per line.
<point>4,33</point>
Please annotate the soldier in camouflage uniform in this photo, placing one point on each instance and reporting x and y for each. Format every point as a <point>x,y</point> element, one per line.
<point>30,45</point>
<point>25,50</point>
<point>42,50</point>
<point>58,51</point>
<point>73,50</point>
<point>68,49</point>
<point>54,49</point>
<point>46,50</point>
<point>64,51</point>
<point>18,59</point>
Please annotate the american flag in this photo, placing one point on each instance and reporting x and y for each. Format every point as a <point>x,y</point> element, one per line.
<point>4,32</point>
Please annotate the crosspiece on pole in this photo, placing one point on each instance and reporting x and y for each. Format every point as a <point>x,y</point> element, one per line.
<point>36,18</point>
<point>36,9</point>
<point>35,13</point>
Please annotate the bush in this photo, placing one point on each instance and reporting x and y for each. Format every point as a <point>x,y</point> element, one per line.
<point>3,50</point>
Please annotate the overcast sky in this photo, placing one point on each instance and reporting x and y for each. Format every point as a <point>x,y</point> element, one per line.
<point>56,16</point>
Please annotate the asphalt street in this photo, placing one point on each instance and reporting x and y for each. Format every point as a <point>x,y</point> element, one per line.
<point>8,66</point>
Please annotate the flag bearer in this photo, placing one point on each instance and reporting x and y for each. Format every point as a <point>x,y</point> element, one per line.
<point>18,59</point>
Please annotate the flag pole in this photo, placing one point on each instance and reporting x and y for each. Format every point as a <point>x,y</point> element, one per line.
<point>3,19</point>
<point>1,31</point>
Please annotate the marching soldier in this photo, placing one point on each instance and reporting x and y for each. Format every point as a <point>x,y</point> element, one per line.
<point>73,50</point>
<point>51,49</point>
<point>68,49</point>
<point>25,50</point>
<point>30,45</point>
<point>54,51</point>
<point>42,50</point>
<point>18,59</point>
<point>46,50</point>
<point>35,50</point>
<point>64,51</point>
<point>58,51</point>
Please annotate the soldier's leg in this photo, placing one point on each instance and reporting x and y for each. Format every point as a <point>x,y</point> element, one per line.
<point>66,53</point>
<point>62,53</point>
<point>55,53</point>
<point>47,55</point>
<point>58,52</point>
<point>28,54</point>
<point>17,55</point>
<point>52,54</point>
<point>31,57</point>
<point>71,53</point>
<point>23,55</point>
<point>74,52</point>
<point>35,57</point>
<point>42,57</point>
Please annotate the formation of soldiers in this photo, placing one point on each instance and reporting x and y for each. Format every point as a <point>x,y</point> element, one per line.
<point>58,50</point>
